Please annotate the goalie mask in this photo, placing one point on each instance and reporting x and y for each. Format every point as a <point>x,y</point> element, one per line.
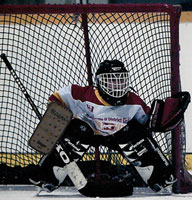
<point>112,81</point>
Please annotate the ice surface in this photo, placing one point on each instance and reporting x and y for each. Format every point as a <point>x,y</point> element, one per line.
<point>26,192</point>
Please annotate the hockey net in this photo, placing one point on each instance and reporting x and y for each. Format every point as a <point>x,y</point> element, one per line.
<point>50,46</point>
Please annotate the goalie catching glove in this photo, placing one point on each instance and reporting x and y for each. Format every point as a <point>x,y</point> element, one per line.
<point>167,115</point>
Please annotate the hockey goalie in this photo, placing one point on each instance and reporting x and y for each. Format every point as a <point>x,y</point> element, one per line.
<point>110,114</point>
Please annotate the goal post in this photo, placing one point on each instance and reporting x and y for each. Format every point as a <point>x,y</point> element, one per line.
<point>50,46</point>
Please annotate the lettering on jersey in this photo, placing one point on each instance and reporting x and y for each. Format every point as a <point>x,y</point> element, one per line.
<point>108,126</point>
<point>112,119</point>
<point>90,107</point>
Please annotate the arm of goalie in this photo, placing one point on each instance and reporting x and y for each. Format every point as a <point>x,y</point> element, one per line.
<point>50,128</point>
<point>166,115</point>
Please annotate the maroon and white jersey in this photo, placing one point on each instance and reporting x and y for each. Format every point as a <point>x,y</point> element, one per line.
<point>87,105</point>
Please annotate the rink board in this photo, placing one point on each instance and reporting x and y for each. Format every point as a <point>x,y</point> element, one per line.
<point>26,159</point>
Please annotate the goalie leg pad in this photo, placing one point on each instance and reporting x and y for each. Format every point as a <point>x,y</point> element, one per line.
<point>143,152</point>
<point>150,163</point>
<point>49,173</point>
<point>53,168</point>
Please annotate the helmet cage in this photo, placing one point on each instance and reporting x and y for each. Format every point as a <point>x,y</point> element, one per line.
<point>114,84</point>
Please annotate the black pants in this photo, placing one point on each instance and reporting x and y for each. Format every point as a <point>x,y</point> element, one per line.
<point>81,131</point>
